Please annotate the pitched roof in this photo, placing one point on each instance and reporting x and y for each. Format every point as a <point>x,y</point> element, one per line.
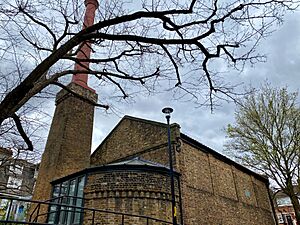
<point>137,161</point>
<point>126,117</point>
<point>190,141</point>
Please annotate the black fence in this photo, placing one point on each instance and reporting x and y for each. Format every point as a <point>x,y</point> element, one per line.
<point>61,211</point>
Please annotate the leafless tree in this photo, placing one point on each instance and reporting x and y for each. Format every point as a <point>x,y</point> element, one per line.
<point>137,45</point>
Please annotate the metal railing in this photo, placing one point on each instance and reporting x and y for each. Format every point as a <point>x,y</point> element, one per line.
<point>89,216</point>
<point>58,202</point>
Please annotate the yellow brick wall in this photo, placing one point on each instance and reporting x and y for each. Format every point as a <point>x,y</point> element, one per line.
<point>144,193</point>
<point>68,147</point>
<point>134,137</point>
<point>215,192</point>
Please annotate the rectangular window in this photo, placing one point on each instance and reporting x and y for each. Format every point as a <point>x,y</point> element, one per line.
<point>71,201</point>
<point>56,191</point>
<point>280,218</point>
<point>14,183</point>
<point>16,169</point>
<point>53,208</point>
<point>79,200</point>
<point>68,193</point>
<point>283,201</point>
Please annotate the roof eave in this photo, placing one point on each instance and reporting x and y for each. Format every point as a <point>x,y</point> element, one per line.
<point>204,148</point>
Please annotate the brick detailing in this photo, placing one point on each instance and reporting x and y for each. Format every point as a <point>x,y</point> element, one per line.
<point>135,192</point>
<point>69,142</point>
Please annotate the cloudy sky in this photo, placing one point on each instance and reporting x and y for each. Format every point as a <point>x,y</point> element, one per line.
<point>281,69</point>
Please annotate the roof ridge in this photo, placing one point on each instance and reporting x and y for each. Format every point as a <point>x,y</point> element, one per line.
<point>135,119</point>
<point>220,156</point>
<point>148,121</point>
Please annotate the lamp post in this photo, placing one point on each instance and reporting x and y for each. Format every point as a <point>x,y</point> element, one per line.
<point>167,111</point>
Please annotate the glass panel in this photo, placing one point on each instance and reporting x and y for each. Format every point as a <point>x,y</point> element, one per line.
<point>51,218</point>
<point>67,193</point>
<point>71,201</point>
<point>80,187</point>
<point>16,169</point>
<point>79,201</point>
<point>53,208</point>
<point>55,193</point>
<point>64,191</point>
<point>72,188</point>
<point>62,215</point>
<point>56,189</point>
<point>14,183</point>
<point>78,211</point>
<point>77,216</point>
<point>63,200</point>
<point>284,201</point>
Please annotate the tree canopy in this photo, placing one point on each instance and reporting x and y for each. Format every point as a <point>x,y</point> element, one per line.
<point>266,137</point>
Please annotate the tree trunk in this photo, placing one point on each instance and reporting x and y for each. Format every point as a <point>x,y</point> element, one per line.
<point>296,206</point>
<point>11,102</point>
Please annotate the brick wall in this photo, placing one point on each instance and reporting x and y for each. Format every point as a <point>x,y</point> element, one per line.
<point>130,191</point>
<point>215,192</point>
<point>69,141</point>
<point>132,137</point>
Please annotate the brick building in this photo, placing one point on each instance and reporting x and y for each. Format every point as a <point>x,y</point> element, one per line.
<point>214,189</point>
<point>284,208</point>
<point>129,173</point>
<point>17,178</point>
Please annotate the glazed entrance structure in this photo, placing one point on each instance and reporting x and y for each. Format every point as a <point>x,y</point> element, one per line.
<point>103,195</point>
<point>126,179</point>
<point>69,192</point>
<point>67,209</point>
<point>134,186</point>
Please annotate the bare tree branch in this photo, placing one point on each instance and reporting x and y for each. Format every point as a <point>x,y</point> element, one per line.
<point>22,132</point>
<point>79,96</point>
<point>132,48</point>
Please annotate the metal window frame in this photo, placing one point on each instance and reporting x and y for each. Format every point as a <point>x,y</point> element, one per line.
<point>60,217</point>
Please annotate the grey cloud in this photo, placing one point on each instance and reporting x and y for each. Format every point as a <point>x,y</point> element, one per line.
<point>282,68</point>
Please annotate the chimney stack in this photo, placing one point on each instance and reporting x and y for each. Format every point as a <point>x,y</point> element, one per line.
<point>68,146</point>
<point>86,48</point>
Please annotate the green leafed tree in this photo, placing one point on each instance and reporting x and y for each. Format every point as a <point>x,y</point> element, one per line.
<point>266,137</point>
